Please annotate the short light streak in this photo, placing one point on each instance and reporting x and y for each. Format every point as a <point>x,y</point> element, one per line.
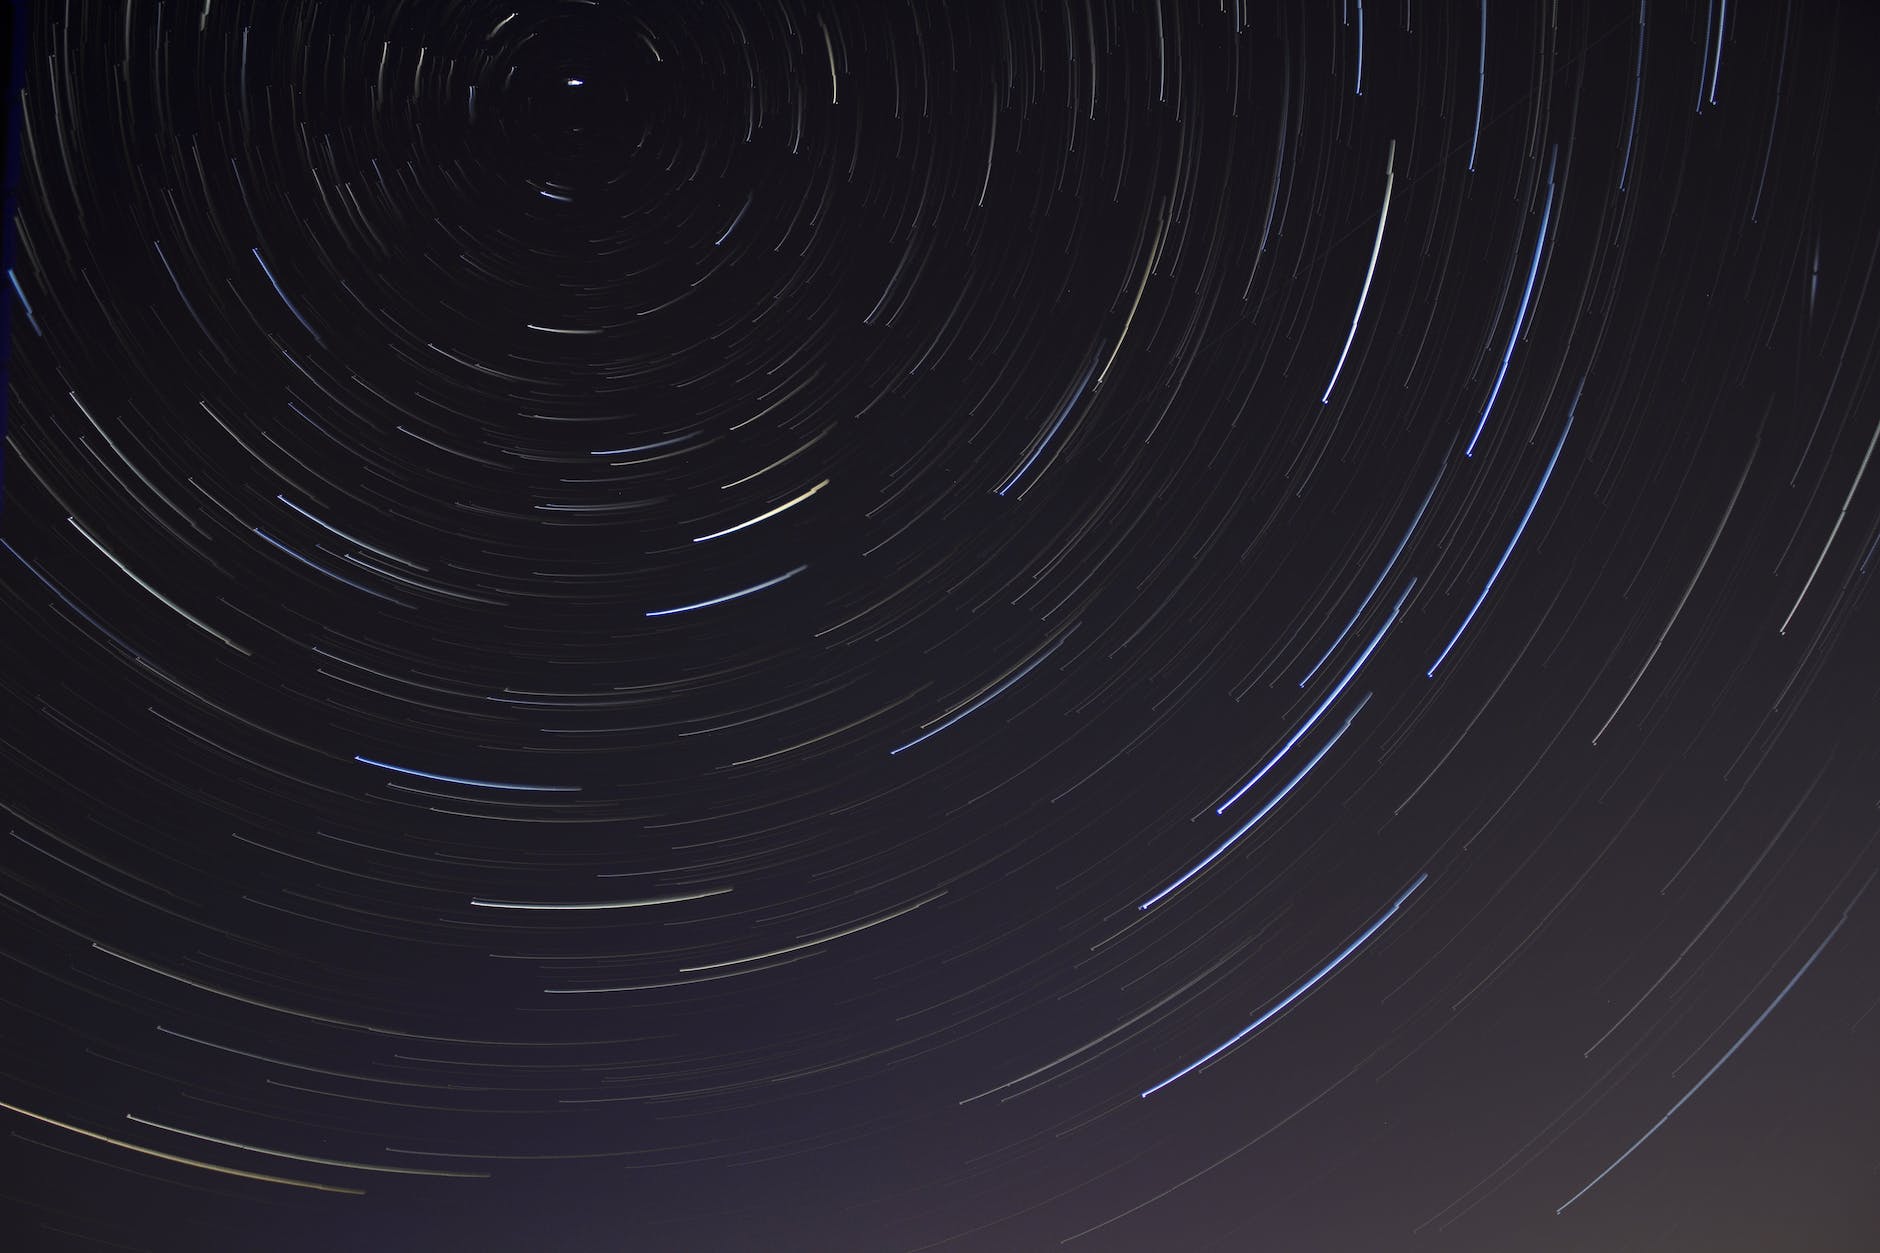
<point>1045,440</point>
<point>1506,552</point>
<point>767,514</point>
<point>137,579</point>
<point>1118,1029</point>
<point>421,585</point>
<point>786,458</point>
<point>1390,180</point>
<point>1689,587</point>
<point>1520,317</point>
<point>1382,575</point>
<point>1296,993</point>
<point>656,985</point>
<point>1360,84</point>
<point>1312,719</point>
<point>1727,1055</point>
<point>1033,664</point>
<point>1638,84</point>
<point>734,223</point>
<point>1265,809</point>
<point>829,734</point>
<point>664,443</point>
<point>317,1161</point>
<point>1155,254</point>
<point>834,93</point>
<point>316,566</point>
<point>351,539</point>
<point>729,596</point>
<point>1847,502</point>
<point>52,587</point>
<point>1481,87</point>
<point>639,904</point>
<point>283,295</point>
<point>449,778</point>
<point>182,1161</point>
<point>24,302</point>
<point>821,939</point>
<point>307,1015</point>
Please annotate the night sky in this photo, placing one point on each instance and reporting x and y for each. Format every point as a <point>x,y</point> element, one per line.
<point>880,625</point>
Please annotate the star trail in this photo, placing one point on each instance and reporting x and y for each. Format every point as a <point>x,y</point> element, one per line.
<point>892,625</point>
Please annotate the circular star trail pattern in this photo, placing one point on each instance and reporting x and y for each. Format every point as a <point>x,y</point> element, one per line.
<point>1128,624</point>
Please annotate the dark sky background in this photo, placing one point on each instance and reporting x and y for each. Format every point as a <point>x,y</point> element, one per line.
<point>840,625</point>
